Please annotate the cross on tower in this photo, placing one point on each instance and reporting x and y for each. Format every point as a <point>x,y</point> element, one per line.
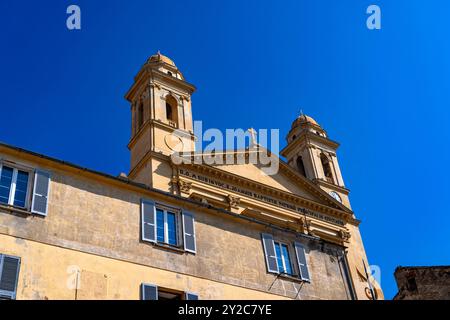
<point>253,133</point>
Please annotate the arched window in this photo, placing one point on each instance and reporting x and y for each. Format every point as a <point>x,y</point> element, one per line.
<point>140,115</point>
<point>301,166</point>
<point>326,168</point>
<point>171,110</point>
<point>168,111</point>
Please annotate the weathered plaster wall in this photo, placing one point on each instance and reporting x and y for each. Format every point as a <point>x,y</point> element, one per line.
<point>49,272</point>
<point>103,220</point>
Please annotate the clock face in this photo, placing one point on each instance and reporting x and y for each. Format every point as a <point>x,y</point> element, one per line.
<point>335,196</point>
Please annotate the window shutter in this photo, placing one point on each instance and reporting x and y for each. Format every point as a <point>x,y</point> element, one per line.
<point>9,274</point>
<point>149,292</point>
<point>148,219</point>
<point>41,191</point>
<point>301,260</point>
<point>269,252</point>
<point>191,296</point>
<point>189,232</point>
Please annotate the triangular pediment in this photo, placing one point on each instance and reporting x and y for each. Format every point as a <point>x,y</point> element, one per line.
<point>285,179</point>
<point>279,180</point>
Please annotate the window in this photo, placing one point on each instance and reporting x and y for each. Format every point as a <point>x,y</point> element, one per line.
<point>22,188</point>
<point>14,185</point>
<point>140,115</point>
<point>153,292</point>
<point>169,295</point>
<point>171,110</point>
<point>278,258</point>
<point>9,274</point>
<point>301,166</point>
<point>283,259</point>
<point>168,111</point>
<point>166,226</point>
<point>326,168</point>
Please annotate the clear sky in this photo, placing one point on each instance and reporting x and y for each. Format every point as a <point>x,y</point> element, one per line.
<point>384,95</point>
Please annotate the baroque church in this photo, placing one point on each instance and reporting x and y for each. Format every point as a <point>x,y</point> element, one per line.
<point>181,230</point>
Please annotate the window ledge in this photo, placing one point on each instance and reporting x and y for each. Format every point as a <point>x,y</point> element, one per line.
<point>169,247</point>
<point>290,277</point>
<point>12,209</point>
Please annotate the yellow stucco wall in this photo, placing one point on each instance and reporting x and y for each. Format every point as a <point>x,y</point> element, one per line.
<point>49,272</point>
<point>97,221</point>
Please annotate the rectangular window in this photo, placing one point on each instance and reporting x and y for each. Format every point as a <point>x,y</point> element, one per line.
<point>20,196</point>
<point>171,228</point>
<point>9,274</point>
<point>166,226</point>
<point>14,185</point>
<point>160,225</point>
<point>283,258</point>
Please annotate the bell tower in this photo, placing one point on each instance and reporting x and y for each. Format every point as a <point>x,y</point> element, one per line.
<point>313,155</point>
<point>161,120</point>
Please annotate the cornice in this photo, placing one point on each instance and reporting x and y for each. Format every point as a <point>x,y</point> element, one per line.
<point>271,191</point>
<point>155,123</point>
<point>308,184</point>
<point>308,137</point>
<point>331,186</point>
<point>147,72</point>
<point>138,134</point>
<point>149,154</point>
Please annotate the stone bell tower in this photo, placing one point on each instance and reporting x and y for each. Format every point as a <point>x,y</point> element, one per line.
<point>313,155</point>
<point>161,120</point>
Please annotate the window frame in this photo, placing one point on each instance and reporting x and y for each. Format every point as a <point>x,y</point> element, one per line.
<point>177,212</point>
<point>11,197</point>
<point>284,271</point>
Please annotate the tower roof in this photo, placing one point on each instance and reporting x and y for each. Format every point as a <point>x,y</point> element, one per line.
<point>158,57</point>
<point>304,119</point>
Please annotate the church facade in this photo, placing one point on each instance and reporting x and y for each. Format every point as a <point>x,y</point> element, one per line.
<point>181,230</point>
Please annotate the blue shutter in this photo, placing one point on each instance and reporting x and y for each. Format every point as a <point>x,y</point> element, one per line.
<point>301,260</point>
<point>9,274</point>
<point>148,220</point>
<point>269,252</point>
<point>189,232</point>
<point>191,296</point>
<point>41,192</point>
<point>149,292</point>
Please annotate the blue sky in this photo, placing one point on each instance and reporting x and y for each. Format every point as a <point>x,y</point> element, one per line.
<point>384,95</point>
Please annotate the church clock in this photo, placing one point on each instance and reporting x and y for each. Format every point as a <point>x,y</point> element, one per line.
<point>336,196</point>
